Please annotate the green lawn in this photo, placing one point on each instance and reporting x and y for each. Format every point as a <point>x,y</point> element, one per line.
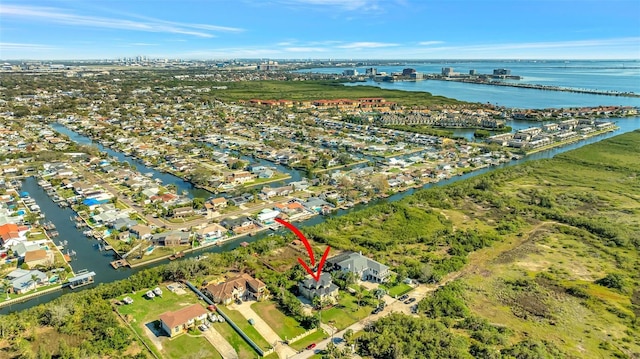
<point>314,337</point>
<point>247,328</point>
<point>241,347</point>
<point>346,313</point>
<point>398,289</point>
<point>185,346</point>
<point>286,327</point>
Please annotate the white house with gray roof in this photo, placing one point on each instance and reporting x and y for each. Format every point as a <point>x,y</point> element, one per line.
<point>365,268</point>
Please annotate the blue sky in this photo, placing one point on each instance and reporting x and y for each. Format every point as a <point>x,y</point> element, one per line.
<point>320,29</point>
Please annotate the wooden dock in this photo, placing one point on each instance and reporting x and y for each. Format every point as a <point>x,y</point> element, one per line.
<point>119,264</point>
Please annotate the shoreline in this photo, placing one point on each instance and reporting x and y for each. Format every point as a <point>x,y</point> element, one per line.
<point>571,140</point>
<point>540,87</point>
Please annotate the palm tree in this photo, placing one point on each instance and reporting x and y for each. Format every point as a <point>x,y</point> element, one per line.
<point>5,287</point>
<point>34,279</point>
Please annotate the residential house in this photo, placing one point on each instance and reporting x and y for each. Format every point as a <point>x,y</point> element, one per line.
<point>238,225</point>
<point>171,238</point>
<point>177,322</point>
<point>211,232</point>
<point>22,281</point>
<point>38,257</point>
<point>323,288</point>
<point>240,177</point>
<point>123,223</point>
<point>267,216</point>
<point>12,234</point>
<point>219,202</point>
<point>363,267</point>
<point>243,286</point>
<point>22,248</point>
<point>182,212</point>
<point>140,231</point>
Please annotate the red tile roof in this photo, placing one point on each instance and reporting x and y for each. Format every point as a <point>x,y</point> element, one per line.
<point>182,316</point>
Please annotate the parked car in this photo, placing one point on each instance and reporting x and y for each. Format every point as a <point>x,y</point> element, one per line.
<point>410,300</point>
<point>311,346</point>
<point>203,327</point>
<point>404,297</point>
<point>376,310</point>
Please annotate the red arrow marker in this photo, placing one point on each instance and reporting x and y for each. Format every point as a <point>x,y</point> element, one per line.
<point>312,257</point>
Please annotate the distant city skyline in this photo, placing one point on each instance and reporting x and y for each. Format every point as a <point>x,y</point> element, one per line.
<point>320,29</point>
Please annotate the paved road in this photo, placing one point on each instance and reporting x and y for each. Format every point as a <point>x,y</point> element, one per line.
<point>220,343</point>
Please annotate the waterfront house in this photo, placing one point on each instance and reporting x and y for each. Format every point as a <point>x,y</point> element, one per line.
<point>38,257</point>
<point>218,203</point>
<point>363,267</point>
<point>211,232</point>
<point>177,322</point>
<point>171,238</point>
<point>140,231</point>
<point>323,288</point>
<point>243,287</point>
<point>236,224</point>
<point>22,281</point>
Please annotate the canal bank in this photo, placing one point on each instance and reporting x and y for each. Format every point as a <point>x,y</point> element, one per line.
<point>89,254</point>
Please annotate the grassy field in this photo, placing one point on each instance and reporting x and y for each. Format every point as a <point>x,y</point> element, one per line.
<point>314,337</point>
<point>346,313</point>
<point>247,328</point>
<point>284,326</point>
<point>540,281</point>
<point>317,90</point>
<point>241,347</point>
<point>186,347</point>
<point>530,245</point>
<point>398,289</point>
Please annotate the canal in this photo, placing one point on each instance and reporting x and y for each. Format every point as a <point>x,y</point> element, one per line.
<point>89,257</point>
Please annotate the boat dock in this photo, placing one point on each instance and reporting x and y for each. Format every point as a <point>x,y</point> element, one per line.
<point>119,264</point>
<point>81,280</point>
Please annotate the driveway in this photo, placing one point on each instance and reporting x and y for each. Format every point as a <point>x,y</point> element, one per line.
<point>284,351</point>
<point>220,343</point>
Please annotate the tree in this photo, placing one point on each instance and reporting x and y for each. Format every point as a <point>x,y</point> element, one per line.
<point>198,203</point>
<point>6,286</point>
<point>348,335</point>
<point>34,279</point>
<point>611,280</point>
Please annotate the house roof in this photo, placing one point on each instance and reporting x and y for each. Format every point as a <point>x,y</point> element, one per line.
<point>36,255</point>
<point>225,290</point>
<point>324,286</point>
<point>356,262</point>
<point>9,230</point>
<point>182,316</point>
<point>219,200</point>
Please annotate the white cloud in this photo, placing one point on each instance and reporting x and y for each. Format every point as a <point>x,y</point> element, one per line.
<point>366,45</point>
<point>340,4</point>
<point>429,43</point>
<point>23,46</point>
<point>304,49</point>
<point>59,16</point>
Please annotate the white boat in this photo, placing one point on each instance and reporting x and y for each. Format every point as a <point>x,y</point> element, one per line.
<point>150,294</point>
<point>157,291</point>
